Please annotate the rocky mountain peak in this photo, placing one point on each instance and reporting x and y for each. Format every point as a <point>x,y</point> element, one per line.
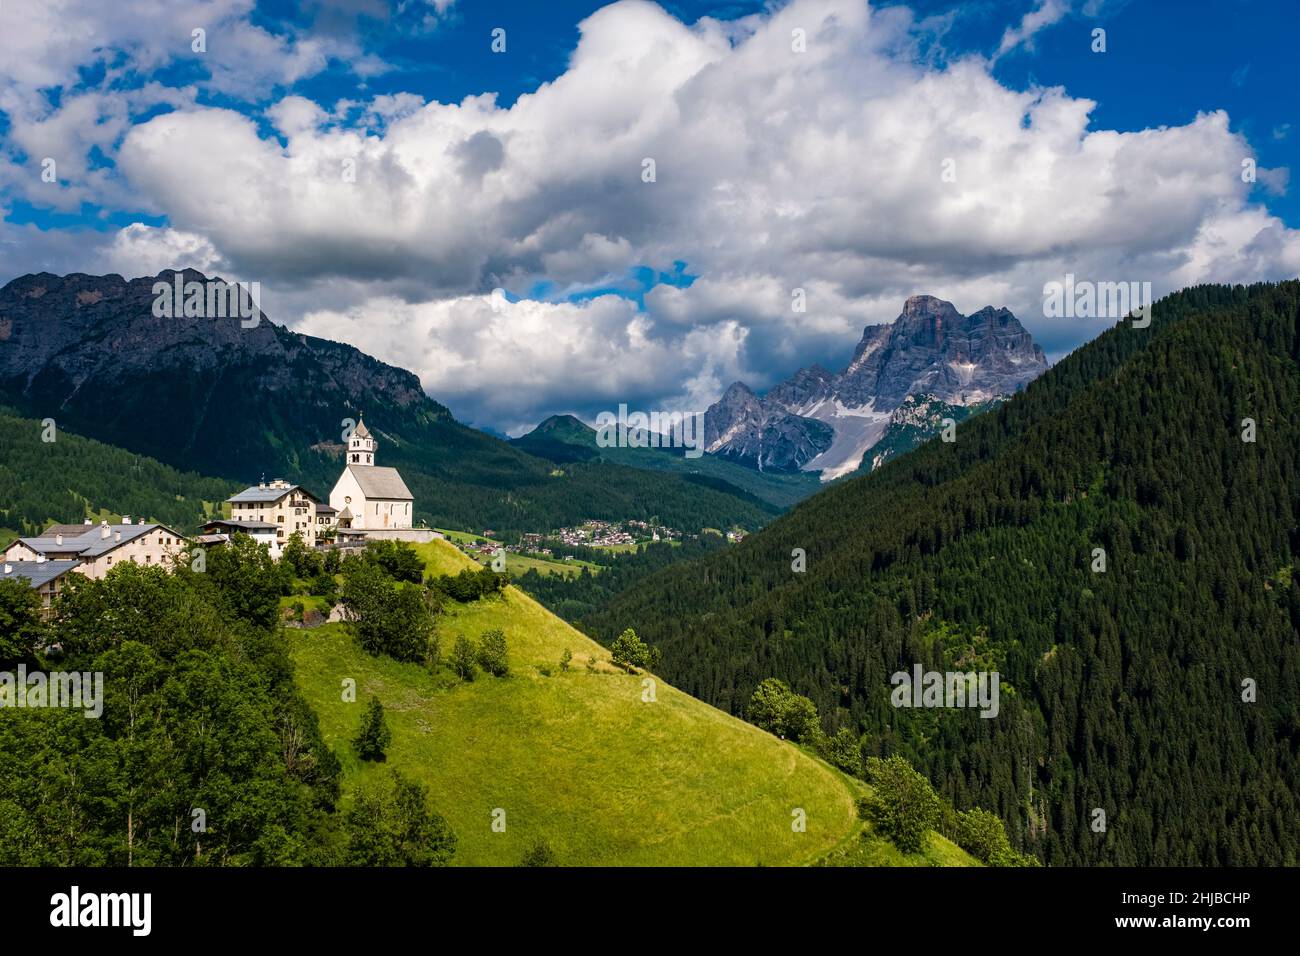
<point>930,349</point>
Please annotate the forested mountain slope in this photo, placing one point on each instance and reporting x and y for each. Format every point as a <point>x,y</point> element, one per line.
<point>563,438</point>
<point>68,478</point>
<point>1122,690</point>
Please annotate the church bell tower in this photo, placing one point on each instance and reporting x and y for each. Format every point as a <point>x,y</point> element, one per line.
<point>362,445</point>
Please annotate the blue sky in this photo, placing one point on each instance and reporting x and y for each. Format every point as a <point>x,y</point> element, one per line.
<point>615,292</point>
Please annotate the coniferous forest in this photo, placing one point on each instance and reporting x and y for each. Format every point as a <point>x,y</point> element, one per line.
<point>1118,542</point>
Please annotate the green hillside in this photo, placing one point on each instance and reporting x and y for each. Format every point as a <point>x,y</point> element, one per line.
<point>563,439</point>
<point>1162,688</point>
<point>577,758</point>
<point>72,478</point>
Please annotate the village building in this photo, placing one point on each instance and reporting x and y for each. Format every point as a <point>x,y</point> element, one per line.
<point>96,548</point>
<point>46,578</point>
<point>369,497</point>
<point>220,532</point>
<point>289,508</point>
<point>326,518</point>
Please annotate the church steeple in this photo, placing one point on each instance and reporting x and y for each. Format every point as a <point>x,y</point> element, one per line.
<point>361,446</point>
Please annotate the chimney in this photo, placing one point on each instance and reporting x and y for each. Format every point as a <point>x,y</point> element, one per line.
<point>105,530</point>
<point>88,521</point>
<point>126,519</point>
<point>9,569</point>
<point>40,559</point>
<point>58,539</point>
<point>118,536</point>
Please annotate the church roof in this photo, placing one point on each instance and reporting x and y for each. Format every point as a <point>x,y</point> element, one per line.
<point>361,431</point>
<point>379,482</point>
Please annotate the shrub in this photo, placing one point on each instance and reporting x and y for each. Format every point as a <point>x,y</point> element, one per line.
<point>539,854</point>
<point>903,807</point>
<point>842,751</point>
<point>565,659</point>
<point>397,558</point>
<point>470,585</point>
<point>779,710</point>
<point>492,653</point>
<point>981,834</point>
<point>463,657</point>
<point>324,585</point>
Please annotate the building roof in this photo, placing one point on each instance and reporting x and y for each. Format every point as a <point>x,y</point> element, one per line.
<point>36,573</point>
<point>255,494</point>
<point>323,509</point>
<point>66,529</point>
<point>248,526</point>
<point>91,542</point>
<point>379,482</point>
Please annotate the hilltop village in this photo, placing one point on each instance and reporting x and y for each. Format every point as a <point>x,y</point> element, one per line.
<point>368,501</point>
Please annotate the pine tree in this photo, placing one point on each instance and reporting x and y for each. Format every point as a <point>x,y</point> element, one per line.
<point>374,736</point>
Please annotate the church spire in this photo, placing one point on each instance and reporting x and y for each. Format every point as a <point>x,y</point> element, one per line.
<point>361,445</point>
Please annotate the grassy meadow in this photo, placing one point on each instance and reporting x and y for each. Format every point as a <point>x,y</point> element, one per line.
<point>577,758</point>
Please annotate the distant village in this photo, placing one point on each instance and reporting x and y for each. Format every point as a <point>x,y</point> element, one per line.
<point>589,534</point>
<point>367,502</point>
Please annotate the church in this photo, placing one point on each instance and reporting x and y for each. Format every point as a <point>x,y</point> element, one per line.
<point>367,496</point>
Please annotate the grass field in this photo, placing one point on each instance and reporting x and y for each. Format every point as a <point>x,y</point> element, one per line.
<point>462,537</point>
<point>517,564</point>
<point>577,758</point>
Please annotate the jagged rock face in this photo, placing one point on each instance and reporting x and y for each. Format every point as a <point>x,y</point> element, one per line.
<point>88,352</point>
<point>930,349</point>
<point>805,387</point>
<point>761,432</point>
